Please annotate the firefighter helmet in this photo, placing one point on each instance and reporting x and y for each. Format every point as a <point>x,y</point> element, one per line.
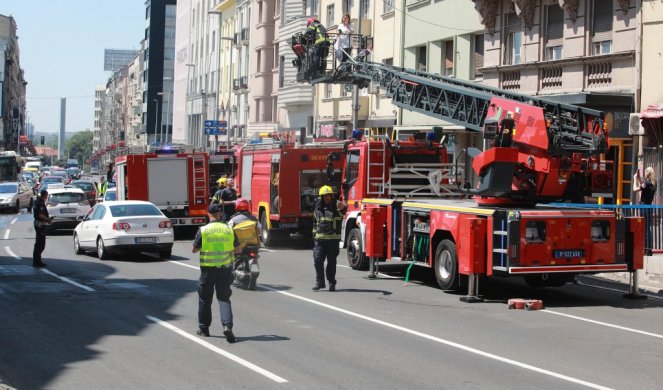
<point>221,181</point>
<point>241,204</point>
<point>326,190</point>
<point>310,20</point>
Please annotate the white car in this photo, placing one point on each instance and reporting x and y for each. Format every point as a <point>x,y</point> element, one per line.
<point>66,206</point>
<point>111,194</point>
<point>124,226</point>
<point>16,195</point>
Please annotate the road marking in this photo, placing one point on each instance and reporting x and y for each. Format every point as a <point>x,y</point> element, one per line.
<point>220,351</point>
<point>379,273</point>
<point>67,280</point>
<point>616,290</point>
<point>183,264</point>
<point>443,341</point>
<point>12,254</point>
<point>13,220</point>
<point>7,234</point>
<point>604,324</point>
<point>267,250</point>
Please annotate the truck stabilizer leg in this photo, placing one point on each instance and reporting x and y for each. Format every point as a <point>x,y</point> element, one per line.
<point>372,268</point>
<point>633,290</point>
<point>472,290</point>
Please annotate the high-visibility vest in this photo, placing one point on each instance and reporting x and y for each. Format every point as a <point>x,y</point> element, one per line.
<point>218,245</point>
<point>102,188</point>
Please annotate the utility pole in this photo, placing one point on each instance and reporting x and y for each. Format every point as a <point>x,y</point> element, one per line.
<point>355,89</point>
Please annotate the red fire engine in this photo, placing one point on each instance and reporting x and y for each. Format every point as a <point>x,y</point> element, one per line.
<point>535,152</point>
<point>175,181</point>
<point>282,181</point>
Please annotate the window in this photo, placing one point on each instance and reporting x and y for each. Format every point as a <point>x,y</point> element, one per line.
<point>477,56</point>
<point>554,32</point>
<point>330,15</point>
<point>514,39</point>
<point>260,12</point>
<point>421,58</point>
<point>328,91</point>
<point>347,6</point>
<point>276,56</point>
<point>366,8</point>
<point>281,71</point>
<point>388,61</point>
<point>352,168</point>
<point>345,88</point>
<point>448,58</point>
<point>213,41</point>
<point>387,6</point>
<point>312,7</point>
<point>602,27</point>
<point>258,61</point>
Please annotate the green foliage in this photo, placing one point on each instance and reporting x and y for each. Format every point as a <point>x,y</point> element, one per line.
<point>79,146</point>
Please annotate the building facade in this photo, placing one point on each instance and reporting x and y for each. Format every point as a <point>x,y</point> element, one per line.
<point>12,86</point>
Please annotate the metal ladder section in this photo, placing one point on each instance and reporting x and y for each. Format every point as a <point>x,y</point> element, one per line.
<point>376,182</point>
<point>199,180</point>
<point>423,180</point>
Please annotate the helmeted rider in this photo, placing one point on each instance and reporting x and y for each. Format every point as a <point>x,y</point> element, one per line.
<point>245,225</point>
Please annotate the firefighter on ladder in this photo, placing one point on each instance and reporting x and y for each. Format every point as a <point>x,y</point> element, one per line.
<point>327,217</point>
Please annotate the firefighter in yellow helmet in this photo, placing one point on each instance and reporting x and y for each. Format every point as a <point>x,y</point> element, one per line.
<point>327,217</point>
<point>220,184</point>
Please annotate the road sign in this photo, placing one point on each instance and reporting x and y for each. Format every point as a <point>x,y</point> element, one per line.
<point>214,127</point>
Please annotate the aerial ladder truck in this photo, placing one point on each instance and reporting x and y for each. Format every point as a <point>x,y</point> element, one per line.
<point>535,152</point>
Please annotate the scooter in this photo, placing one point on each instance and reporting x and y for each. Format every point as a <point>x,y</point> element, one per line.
<point>245,267</point>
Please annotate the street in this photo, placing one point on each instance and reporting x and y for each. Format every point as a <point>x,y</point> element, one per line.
<point>83,323</point>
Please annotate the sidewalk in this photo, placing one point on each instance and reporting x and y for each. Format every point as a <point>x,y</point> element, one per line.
<point>650,279</point>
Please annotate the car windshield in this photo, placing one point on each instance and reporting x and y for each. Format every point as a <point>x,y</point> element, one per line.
<point>66,197</point>
<point>111,184</point>
<point>59,173</point>
<point>8,188</point>
<point>134,210</point>
<point>85,186</point>
<point>110,195</point>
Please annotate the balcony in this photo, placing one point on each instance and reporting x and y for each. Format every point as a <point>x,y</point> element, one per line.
<point>244,82</point>
<point>244,36</point>
<point>236,85</point>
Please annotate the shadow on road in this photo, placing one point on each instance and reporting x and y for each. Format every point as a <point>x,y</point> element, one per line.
<point>263,337</point>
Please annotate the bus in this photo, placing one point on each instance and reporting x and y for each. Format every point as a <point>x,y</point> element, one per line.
<point>10,166</point>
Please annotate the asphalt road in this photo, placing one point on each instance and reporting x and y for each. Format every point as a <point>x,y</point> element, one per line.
<point>83,323</point>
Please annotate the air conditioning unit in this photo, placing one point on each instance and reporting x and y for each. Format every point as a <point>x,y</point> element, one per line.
<point>634,125</point>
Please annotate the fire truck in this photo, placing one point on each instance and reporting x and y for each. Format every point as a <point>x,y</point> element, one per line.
<point>174,180</point>
<point>502,221</point>
<point>282,180</point>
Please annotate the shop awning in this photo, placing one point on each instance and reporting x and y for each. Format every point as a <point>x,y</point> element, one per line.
<point>651,121</point>
<point>653,111</point>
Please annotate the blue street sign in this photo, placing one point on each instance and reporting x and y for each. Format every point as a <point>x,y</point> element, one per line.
<point>215,131</point>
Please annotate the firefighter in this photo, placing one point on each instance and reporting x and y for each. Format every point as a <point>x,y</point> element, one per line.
<point>221,184</point>
<point>226,198</point>
<point>327,217</point>
<point>316,35</point>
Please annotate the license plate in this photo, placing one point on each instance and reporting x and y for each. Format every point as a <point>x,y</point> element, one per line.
<point>145,240</point>
<point>254,268</point>
<point>67,211</point>
<point>567,253</point>
<point>287,225</point>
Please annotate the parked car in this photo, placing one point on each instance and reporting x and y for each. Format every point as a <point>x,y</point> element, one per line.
<point>66,206</point>
<point>89,188</point>
<point>124,226</point>
<point>111,194</point>
<point>16,195</point>
<point>94,171</point>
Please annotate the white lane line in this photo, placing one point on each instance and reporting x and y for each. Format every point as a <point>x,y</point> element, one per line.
<point>603,324</point>
<point>445,342</point>
<point>379,273</point>
<point>13,220</point>
<point>183,264</point>
<point>220,351</point>
<point>67,280</point>
<point>617,290</point>
<point>7,234</point>
<point>12,254</point>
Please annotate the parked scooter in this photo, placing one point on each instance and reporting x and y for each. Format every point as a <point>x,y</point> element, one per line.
<point>246,269</point>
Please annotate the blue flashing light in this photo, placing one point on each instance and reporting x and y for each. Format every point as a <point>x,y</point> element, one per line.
<point>356,134</point>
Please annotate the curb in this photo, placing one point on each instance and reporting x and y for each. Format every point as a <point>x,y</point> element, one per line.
<point>604,282</point>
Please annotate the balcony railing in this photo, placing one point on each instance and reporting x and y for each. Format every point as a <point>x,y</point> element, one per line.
<point>551,77</point>
<point>236,84</point>
<point>510,79</point>
<point>599,74</point>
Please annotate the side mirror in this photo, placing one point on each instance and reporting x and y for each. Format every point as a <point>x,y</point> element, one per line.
<point>80,218</point>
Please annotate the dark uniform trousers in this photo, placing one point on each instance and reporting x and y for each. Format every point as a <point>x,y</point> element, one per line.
<point>40,243</point>
<point>325,249</point>
<point>219,279</point>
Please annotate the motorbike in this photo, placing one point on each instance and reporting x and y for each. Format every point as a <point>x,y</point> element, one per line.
<point>245,267</point>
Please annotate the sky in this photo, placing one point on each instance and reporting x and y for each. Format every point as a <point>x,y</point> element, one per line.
<point>62,44</point>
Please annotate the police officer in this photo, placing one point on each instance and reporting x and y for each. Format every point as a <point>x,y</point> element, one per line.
<point>217,245</point>
<point>327,217</point>
<point>42,219</point>
<point>102,186</point>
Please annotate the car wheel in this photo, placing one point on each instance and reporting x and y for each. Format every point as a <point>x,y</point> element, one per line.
<point>166,254</point>
<point>77,245</point>
<point>102,253</point>
<point>17,208</point>
<point>30,205</point>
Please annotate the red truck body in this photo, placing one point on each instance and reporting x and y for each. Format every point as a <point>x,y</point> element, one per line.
<point>175,182</point>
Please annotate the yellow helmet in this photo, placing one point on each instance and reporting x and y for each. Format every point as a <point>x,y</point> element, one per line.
<point>221,181</point>
<point>326,190</point>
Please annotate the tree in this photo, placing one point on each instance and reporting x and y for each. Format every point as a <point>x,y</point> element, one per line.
<point>79,146</point>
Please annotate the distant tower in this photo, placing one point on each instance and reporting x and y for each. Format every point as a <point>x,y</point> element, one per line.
<point>63,115</point>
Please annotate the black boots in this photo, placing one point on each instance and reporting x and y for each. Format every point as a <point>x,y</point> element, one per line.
<point>228,332</point>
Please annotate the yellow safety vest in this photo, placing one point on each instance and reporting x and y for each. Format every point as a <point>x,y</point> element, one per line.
<point>218,245</point>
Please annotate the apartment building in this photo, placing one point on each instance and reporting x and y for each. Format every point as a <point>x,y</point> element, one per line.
<point>134,133</point>
<point>99,95</point>
<point>12,86</point>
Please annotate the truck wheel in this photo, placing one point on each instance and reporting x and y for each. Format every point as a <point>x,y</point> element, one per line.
<point>355,251</point>
<point>446,265</point>
<point>267,236</point>
<point>102,253</point>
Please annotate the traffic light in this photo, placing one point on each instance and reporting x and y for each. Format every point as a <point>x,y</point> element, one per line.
<point>43,139</point>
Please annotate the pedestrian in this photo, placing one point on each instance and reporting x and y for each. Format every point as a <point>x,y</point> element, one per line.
<point>102,186</point>
<point>41,219</point>
<point>110,173</point>
<point>327,217</point>
<point>647,189</point>
<point>217,245</point>
<point>226,198</point>
<point>342,45</point>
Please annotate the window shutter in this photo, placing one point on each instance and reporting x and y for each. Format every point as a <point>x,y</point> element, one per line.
<point>478,54</point>
<point>555,27</point>
<point>513,23</point>
<point>602,24</point>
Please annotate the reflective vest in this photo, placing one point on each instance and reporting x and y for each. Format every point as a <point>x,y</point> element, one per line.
<point>102,188</point>
<point>218,245</point>
<point>326,222</point>
<point>319,32</point>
